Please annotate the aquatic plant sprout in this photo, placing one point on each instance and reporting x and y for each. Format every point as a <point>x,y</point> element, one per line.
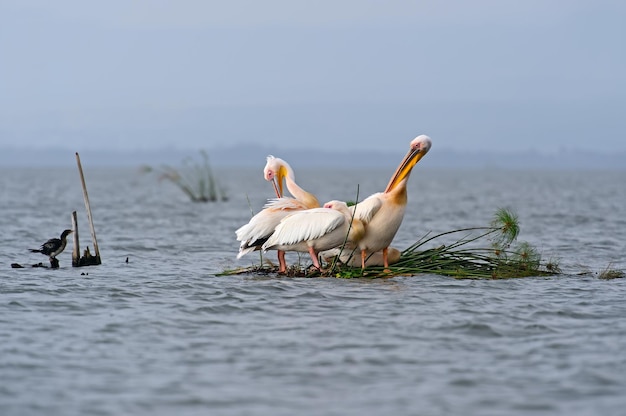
<point>610,273</point>
<point>195,179</point>
<point>507,223</point>
<point>345,241</point>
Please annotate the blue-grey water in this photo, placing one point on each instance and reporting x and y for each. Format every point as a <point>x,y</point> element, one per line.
<point>163,335</point>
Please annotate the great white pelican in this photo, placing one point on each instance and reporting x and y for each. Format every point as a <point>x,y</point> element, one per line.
<point>382,212</point>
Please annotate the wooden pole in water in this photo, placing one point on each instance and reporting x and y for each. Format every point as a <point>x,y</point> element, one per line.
<point>88,208</point>
<point>76,250</point>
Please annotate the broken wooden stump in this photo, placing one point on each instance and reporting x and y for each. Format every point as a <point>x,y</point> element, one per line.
<point>88,259</point>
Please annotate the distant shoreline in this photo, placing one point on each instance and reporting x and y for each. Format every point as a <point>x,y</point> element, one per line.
<point>254,156</point>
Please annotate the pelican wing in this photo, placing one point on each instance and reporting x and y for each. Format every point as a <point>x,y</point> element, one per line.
<point>256,232</point>
<point>365,210</point>
<point>305,226</point>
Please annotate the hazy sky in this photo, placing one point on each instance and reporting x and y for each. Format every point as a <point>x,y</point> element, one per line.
<point>481,74</point>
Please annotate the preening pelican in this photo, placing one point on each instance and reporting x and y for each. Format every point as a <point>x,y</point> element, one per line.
<point>314,230</point>
<point>382,212</point>
<point>256,232</point>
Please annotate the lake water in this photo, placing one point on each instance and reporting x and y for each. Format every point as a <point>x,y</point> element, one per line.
<point>163,335</point>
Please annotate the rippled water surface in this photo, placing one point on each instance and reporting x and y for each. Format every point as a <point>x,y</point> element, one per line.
<point>163,335</point>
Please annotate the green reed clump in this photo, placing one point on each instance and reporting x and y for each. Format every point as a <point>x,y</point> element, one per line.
<point>195,179</point>
<point>479,252</point>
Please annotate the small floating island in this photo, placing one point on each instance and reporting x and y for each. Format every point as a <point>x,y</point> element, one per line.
<point>487,252</point>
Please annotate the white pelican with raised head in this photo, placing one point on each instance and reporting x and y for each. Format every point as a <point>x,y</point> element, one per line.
<point>382,212</point>
<point>314,230</point>
<point>253,234</point>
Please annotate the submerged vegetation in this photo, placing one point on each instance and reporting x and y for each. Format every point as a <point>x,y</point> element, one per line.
<point>478,252</point>
<point>610,273</point>
<point>194,178</point>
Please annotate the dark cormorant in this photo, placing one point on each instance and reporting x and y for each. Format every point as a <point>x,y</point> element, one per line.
<point>54,246</point>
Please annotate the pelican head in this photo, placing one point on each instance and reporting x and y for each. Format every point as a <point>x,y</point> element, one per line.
<point>337,205</point>
<point>419,146</point>
<point>275,170</point>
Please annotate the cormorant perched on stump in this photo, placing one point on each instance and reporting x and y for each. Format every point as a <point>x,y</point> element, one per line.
<point>54,246</point>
